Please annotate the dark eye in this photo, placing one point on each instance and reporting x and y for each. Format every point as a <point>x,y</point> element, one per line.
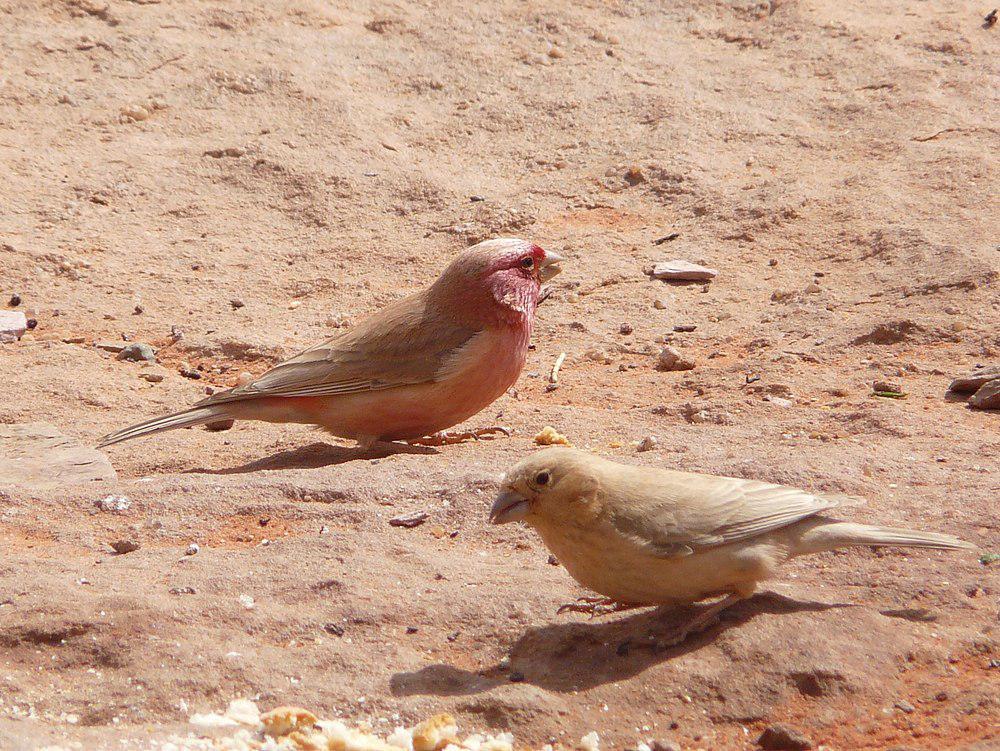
<point>542,478</point>
<point>527,262</point>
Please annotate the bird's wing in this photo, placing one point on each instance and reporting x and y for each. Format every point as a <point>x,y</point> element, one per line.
<point>677,513</point>
<point>404,343</point>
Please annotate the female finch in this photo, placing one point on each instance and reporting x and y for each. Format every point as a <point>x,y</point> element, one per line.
<point>648,536</point>
<point>417,366</point>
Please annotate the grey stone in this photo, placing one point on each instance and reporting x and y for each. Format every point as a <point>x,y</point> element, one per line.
<point>138,352</point>
<point>37,455</point>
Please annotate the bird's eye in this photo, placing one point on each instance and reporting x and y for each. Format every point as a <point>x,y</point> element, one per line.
<point>542,478</point>
<point>527,262</point>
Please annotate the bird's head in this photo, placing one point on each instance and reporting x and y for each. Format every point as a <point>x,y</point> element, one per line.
<point>553,486</point>
<point>502,277</point>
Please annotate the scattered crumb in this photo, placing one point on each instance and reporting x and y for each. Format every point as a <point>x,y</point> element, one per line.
<point>549,436</point>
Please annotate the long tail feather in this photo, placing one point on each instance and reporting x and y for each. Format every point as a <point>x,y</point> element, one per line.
<point>829,535</point>
<point>187,418</point>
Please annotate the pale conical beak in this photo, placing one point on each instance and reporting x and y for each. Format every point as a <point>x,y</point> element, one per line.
<point>549,265</point>
<point>510,506</point>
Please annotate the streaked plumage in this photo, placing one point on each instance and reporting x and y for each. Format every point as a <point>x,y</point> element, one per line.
<point>649,536</point>
<point>417,366</point>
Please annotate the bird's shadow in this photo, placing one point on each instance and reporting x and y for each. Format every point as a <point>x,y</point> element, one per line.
<point>317,455</point>
<point>581,655</point>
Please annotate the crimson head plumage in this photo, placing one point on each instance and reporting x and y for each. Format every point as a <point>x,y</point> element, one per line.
<point>500,278</point>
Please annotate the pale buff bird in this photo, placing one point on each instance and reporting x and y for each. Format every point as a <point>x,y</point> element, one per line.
<point>646,536</point>
<point>419,365</point>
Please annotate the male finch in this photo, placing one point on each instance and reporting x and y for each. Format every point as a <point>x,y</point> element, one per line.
<point>417,366</point>
<point>647,536</point>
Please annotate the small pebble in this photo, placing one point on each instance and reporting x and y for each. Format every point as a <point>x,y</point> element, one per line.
<point>236,303</point>
<point>648,443</point>
<point>626,329</point>
<point>121,547</point>
<point>334,629</point>
<point>781,737</point>
<point>14,301</point>
<point>192,549</point>
<point>246,601</point>
<point>113,503</point>
<point>671,359</point>
<point>151,377</point>
<point>660,304</point>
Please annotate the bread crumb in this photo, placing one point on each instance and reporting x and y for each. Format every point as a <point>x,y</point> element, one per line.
<point>283,720</point>
<point>434,733</point>
<point>549,436</point>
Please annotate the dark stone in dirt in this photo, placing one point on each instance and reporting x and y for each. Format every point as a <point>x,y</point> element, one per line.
<point>409,521</point>
<point>121,547</point>
<point>781,737</point>
<point>334,629</point>
<point>975,380</point>
<point>988,397</point>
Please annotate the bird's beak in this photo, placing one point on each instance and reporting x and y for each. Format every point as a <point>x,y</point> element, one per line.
<point>510,506</point>
<point>549,266</point>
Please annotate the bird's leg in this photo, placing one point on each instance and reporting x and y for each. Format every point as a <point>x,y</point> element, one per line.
<point>445,438</point>
<point>707,617</point>
<point>595,606</point>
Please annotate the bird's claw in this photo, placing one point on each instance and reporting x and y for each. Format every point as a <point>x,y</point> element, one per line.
<point>450,439</point>
<point>594,606</point>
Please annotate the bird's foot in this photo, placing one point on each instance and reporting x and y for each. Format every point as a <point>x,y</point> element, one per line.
<point>449,439</point>
<point>595,606</point>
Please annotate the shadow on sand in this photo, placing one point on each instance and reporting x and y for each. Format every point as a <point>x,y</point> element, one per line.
<point>580,655</point>
<point>317,455</point>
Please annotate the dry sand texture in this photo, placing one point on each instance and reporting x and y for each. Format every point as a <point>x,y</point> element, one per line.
<point>253,175</point>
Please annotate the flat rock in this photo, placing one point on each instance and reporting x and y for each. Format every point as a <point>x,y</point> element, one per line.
<point>13,324</point>
<point>37,455</point>
<point>975,380</point>
<point>987,397</point>
<point>683,271</point>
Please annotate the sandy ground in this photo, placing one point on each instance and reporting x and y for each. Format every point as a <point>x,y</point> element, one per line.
<point>835,161</point>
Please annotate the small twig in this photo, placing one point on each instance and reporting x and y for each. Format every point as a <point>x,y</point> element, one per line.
<point>935,135</point>
<point>545,295</point>
<point>954,130</point>
<point>666,238</point>
<point>554,374</point>
<point>173,59</point>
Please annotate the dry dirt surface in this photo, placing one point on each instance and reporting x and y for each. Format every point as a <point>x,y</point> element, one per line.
<point>232,181</point>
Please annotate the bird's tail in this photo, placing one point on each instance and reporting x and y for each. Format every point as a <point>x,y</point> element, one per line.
<point>185,419</point>
<point>824,534</point>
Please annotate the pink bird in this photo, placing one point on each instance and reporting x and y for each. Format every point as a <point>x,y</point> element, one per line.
<point>416,367</point>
